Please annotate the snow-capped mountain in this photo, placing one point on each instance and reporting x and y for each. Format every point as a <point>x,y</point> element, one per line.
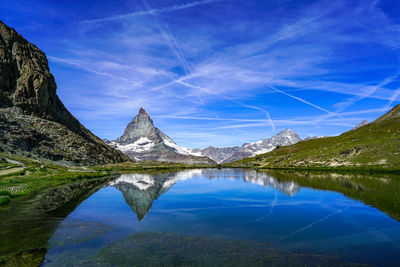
<point>217,154</point>
<point>284,138</point>
<point>142,141</point>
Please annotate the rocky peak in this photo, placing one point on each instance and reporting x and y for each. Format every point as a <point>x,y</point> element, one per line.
<point>292,136</point>
<point>143,112</point>
<point>25,78</point>
<point>33,120</point>
<point>287,132</point>
<point>26,83</point>
<point>140,126</point>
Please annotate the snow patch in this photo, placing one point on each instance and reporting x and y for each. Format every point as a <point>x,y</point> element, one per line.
<point>140,145</point>
<point>141,181</point>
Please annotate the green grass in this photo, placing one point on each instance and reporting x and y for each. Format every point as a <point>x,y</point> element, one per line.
<point>38,176</point>
<point>375,146</point>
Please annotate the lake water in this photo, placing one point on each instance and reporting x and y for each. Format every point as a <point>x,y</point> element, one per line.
<point>228,217</point>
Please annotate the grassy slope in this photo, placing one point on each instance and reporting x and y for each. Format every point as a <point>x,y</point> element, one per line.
<point>378,190</point>
<point>373,146</point>
<point>37,175</point>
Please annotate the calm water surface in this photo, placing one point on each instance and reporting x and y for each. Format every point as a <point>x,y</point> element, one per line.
<point>227,216</point>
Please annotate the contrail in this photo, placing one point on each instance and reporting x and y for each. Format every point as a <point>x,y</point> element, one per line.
<point>311,225</point>
<point>257,108</point>
<point>168,36</point>
<point>394,97</point>
<point>267,115</point>
<point>302,100</point>
<point>149,11</point>
<point>182,57</point>
<point>83,67</point>
<point>178,52</point>
<point>273,204</point>
<point>174,46</point>
<point>344,105</point>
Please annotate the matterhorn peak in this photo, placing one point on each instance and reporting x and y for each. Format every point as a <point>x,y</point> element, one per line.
<point>141,140</point>
<point>140,126</point>
<point>143,111</point>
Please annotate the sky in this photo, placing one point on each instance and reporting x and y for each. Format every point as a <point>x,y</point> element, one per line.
<point>218,72</point>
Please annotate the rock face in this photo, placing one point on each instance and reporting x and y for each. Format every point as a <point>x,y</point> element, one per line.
<point>33,120</point>
<point>142,141</point>
<point>284,138</point>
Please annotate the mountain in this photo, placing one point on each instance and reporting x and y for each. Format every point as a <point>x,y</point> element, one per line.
<point>314,137</point>
<point>142,141</point>
<point>374,145</point>
<point>218,154</point>
<point>33,120</point>
<point>141,190</point>
<point>283,138</point>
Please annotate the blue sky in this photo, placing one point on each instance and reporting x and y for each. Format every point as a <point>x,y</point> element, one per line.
<point>218,72</point>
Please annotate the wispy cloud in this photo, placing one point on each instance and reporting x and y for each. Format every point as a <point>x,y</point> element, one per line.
<point>223,69</point>
<point>301,100</point>
<point>149,11</point>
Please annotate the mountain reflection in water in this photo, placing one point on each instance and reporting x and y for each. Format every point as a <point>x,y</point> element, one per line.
<point>208,217</point>
<point>140,190</point>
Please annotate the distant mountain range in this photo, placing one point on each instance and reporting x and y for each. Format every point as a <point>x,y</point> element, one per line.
<point>141,140</point>
<point>33,120</point>
<point>368,145</point>
<point>231,154</point>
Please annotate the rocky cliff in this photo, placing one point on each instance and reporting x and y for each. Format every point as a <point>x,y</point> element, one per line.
<point>33,120</point>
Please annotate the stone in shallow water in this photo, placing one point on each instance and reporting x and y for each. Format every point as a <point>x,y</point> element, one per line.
<point>162,249</point>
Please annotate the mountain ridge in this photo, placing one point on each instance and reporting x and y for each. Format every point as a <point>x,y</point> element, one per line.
<point>33,120</point>
<point>283,138</point>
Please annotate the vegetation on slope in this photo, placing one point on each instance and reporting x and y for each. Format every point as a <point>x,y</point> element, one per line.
<point>34,175</point>
<point>373,146</point>
<point>378,190</point>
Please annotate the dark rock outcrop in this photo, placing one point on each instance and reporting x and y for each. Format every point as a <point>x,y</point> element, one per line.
<point>33,120</point>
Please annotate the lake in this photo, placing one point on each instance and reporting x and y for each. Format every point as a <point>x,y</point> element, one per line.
<point>206,217</point>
